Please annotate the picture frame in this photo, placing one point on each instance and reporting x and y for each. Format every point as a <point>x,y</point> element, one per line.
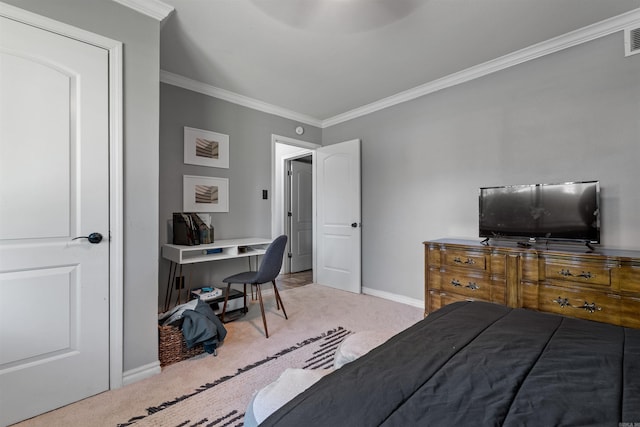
<point>205,194</point>
<point>206,148</point>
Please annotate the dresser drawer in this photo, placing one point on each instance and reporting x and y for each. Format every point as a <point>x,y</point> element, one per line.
<point>529,268</point>
<point>448,298</point>
<point>434,278</point>
<point>630,312</point>
<point>630,278</point>
<point>433,256</point>
<point>586,304</point>
<point>467,259</point>
<point>589,274</point>
<point>467,285</point>
<point>433,301</point>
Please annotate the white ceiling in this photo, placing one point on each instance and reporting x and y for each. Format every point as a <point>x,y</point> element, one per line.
<point>323,58</point>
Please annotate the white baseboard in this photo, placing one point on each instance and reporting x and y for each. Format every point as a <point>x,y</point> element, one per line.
<point>394,297</point>
<point>140,373</point>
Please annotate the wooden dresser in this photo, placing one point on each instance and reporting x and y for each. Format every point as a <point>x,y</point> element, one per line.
<point>603,285</point>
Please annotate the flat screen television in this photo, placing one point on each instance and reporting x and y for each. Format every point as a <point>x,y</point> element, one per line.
<point>568,211</point>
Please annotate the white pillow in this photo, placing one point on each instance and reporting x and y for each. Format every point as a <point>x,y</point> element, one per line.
<point>359,344</point>
<point>291,382</point>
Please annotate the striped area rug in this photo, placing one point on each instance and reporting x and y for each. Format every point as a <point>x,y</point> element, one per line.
<point>223,401</point>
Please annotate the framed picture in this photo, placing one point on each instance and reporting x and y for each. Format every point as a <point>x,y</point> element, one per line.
<point>206,148</point>
<point>205,194</point>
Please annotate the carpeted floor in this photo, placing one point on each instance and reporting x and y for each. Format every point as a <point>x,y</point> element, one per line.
<point>205,390</point>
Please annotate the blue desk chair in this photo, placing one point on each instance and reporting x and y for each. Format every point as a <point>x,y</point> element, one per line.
<point>268,271</point>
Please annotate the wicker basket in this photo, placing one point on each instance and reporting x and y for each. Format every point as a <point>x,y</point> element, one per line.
<point>173,347</point>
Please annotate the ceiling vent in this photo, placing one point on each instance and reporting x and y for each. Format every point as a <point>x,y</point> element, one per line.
<point>631,41</point>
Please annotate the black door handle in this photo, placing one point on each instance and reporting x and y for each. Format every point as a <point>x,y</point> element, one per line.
<point>354,224</point>
<point>92,238</point>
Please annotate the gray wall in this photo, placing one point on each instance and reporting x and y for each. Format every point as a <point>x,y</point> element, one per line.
<point>140,36</point>
<point>249,171</point>
<point>572,115</point>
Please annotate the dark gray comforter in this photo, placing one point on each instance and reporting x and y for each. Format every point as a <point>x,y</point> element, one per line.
<point>480,364</point>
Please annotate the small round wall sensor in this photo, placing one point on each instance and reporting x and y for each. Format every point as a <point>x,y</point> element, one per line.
<point>299,130</point>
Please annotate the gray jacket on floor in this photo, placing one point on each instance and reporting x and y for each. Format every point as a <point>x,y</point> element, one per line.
<point>201,325</point>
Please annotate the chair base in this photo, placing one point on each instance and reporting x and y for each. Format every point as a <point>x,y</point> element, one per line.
<point>259,293</point>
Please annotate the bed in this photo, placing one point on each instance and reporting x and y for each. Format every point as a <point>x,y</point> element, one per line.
<point>482,364</point>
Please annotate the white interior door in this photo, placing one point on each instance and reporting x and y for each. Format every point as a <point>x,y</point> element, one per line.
<point>338,232</point>
<point>54,153</point>
<point>301,208</point>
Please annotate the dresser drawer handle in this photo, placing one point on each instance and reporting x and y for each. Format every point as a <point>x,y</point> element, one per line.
<point>591,308</point>
<point>473,286</point>
<point>562,302</point>
<point>469,261</point>
<point>455,283</point>
<point>584,274</point>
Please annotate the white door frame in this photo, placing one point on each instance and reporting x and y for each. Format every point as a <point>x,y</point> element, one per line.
<point>278,217</point>
<point>114,49</point>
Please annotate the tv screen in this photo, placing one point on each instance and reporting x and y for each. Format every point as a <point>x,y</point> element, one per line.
<point>567,211</point>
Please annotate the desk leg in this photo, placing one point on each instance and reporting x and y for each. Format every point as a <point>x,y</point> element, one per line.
<point>253,298</point>
<point>179,290</point>
<point>189,291</point>
<point>170,284</point>
<point>246,310</point>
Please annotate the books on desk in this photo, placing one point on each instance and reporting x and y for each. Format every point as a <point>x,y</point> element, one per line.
<point>206,293</point>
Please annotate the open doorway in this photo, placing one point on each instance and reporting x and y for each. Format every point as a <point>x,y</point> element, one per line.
<point>336,196</point>
<point>298,195</point>
<point>288,153</point>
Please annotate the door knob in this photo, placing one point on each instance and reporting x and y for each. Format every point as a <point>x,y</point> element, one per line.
<point>92,238</point>
<point>354,224</point>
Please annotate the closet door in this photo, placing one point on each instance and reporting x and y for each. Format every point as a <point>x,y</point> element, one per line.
<point>54,187</point>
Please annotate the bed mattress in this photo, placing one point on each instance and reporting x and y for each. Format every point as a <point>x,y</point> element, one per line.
<point>481,364</point>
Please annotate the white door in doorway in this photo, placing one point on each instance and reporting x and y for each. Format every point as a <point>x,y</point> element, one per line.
<point>54,154</point>
<point>301,216</point>
<point>338,229</point>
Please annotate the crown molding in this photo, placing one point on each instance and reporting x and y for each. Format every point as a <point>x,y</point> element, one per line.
<point>203,88</point>
<point>153,8</point>
<point>565,41</point>
<point>574,38</point>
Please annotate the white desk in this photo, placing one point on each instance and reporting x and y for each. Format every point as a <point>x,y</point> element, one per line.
<point>180,255</point>
<point>231,248</point>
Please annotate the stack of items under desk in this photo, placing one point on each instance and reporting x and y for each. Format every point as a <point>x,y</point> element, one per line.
<point>172,345</point>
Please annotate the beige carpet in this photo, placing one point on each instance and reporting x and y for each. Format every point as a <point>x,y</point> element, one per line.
<point>314,311</point>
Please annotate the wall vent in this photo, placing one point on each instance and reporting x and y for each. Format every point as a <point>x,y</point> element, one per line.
<point>631,41</point>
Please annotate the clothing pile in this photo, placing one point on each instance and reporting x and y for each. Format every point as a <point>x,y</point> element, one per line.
<point>199,324</point>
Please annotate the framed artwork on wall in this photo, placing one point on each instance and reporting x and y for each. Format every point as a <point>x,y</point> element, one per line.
<point>206,148</point>
<point>205,194</point>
